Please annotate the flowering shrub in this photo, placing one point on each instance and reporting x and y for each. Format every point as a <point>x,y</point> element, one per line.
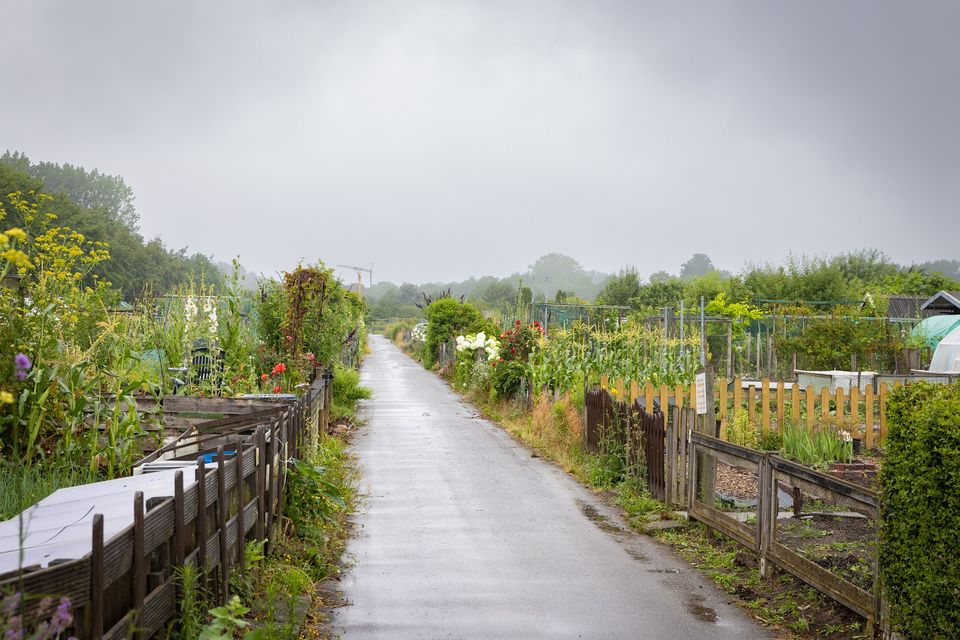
<point>419,333</point>
<point>510,369</point>
<point>472,342</point>
<point>471,367</point>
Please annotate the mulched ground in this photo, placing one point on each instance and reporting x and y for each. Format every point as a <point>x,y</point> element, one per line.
<point>736,482</point>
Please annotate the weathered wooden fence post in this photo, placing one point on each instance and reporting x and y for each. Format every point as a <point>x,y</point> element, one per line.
<point>222,526</point>
<point>241,520</point>
<point>202,522</point>
<point>96,579</point>
<point>708,426</point>
<point>139,576</point>
<point>179,525</point>
<point>261,472</point>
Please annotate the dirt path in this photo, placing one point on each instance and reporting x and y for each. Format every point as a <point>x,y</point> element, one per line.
<point>465,535</point>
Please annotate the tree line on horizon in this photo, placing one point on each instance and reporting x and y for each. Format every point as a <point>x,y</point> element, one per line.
<point>101,207</point>
<point>802,284</point>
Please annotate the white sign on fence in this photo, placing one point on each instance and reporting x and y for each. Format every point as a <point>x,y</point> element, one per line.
<point>701,394</point>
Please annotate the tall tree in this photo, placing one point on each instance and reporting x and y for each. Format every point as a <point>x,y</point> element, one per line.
<point>698,265</point>
<point>621,288</point>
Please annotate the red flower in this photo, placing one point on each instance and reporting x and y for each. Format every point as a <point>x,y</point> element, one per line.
<point>264,376</point>
<point>289,338</point>
<point>310,356</point>
<point>518,323</point>
<point>513,350</point>
<point>277,389</point>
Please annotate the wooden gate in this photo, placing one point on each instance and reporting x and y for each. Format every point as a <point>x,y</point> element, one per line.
<point>654,448</point>
<point>600,413</point>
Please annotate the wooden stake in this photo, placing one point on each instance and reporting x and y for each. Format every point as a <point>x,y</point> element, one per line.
<point>139,573</point>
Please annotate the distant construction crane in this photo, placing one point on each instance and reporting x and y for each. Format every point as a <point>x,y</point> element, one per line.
<point>359,271</point>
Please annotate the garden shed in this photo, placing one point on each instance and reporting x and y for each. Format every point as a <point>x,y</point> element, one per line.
<point>946,359</point>
<point>943,302</point>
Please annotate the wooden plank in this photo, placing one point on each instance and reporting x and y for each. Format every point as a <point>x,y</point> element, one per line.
<point>139,570</point>
<point>179,521</point>
<point>96,579</point>
<point>823,580</point>
<point>811,407</point>
<point>825,404</point>
<point>781,412</point>
<point>751,406</point>
<point>868,416</point>
<point>202,522</point>
<point>634,391</point>
<point>724,415</point>
<point>226,406</point>
<point>648,397</point>
<point>685,427</point>
<point>693,396</point>
<point>765,405</point>
<point>678,395</point>
<point>664,404</point>
<point>883,412</point>
<point>261,453</point>
<point>222,506</point>
<point>241,550</point>
<point>839,398</point>
<point>795,404</point>
<point>855,412</point>
<point>604,382</point>
<point>670,465</point>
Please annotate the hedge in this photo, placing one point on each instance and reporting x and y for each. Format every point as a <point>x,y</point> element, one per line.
<point>920,518</point>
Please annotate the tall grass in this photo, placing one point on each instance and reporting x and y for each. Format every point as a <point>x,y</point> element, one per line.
<point>346,392</point>
<point>21,485</point>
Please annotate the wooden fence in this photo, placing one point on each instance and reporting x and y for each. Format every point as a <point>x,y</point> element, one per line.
<point>681,466</point>
<point>126,587</point>
<point>626,428</point>
<point>774,473</point>
<point>769,404</point>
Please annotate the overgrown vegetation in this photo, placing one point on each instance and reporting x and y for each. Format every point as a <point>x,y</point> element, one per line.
<point>920,521</point>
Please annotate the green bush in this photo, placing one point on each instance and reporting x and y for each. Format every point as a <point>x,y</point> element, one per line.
<point>346,392</point>
<point>447,318</point>
<point>920,519</point>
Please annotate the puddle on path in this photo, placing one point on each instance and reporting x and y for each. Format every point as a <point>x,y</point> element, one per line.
<point>699,610</point>
<point>603,522</point>
<point>663,570</point>
<point>636,554</point>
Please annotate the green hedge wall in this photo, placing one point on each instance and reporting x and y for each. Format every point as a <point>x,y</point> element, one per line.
<point>920,521</point>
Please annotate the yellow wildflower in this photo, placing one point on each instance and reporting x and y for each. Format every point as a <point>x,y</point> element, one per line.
<point>6,397</point>
<point>17,234</point>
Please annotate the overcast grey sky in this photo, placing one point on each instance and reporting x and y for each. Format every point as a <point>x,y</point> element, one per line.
<point>447,139</point>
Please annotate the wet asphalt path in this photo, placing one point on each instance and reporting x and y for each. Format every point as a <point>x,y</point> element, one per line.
<point>464,535</point>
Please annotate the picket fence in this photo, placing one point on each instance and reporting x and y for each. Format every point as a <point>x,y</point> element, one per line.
<point>769,404</point>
